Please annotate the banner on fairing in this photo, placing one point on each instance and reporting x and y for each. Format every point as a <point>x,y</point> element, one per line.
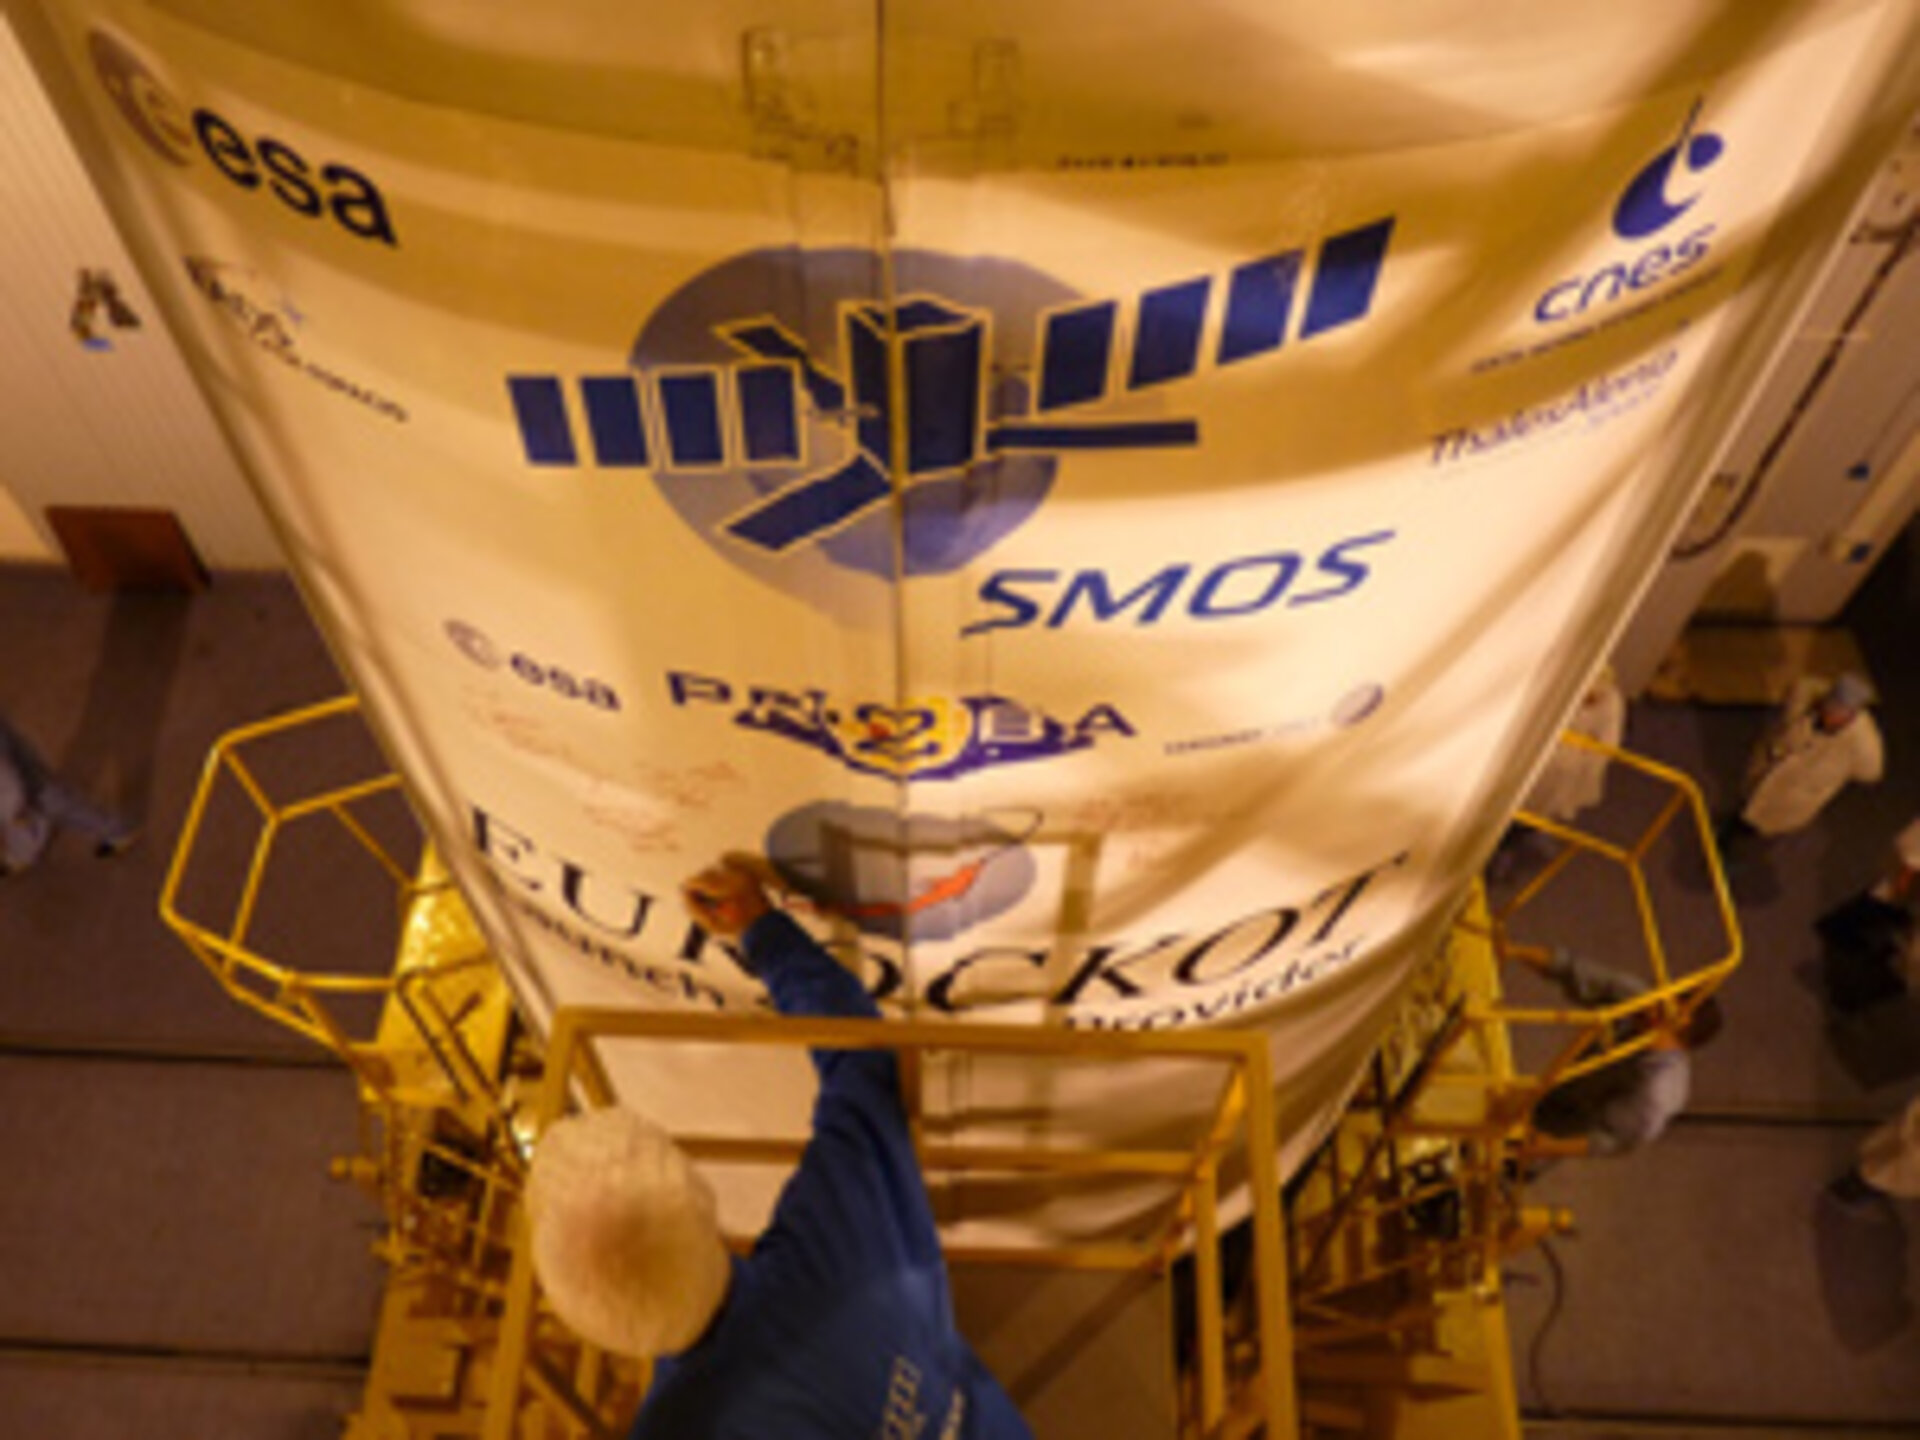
<point>1114,520</point>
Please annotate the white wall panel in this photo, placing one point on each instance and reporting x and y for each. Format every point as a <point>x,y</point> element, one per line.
<point>116,427</point>
<point>1818,476</point>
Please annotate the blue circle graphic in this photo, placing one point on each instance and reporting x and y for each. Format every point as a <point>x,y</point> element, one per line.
<point>928,876</point>
<point>786,384</point>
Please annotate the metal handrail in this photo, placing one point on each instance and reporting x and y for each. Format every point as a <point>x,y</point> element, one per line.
<point>1671,1000</point>
<point>1243,1125</point>
<point>1237,1139</point>
<point>301,1000</point>
<point>1488,1152</point>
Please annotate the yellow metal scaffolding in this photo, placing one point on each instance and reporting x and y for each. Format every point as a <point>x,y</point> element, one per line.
<point>1373,1305</point>
<point>1402,1219</point>
<point>1241,1128</point>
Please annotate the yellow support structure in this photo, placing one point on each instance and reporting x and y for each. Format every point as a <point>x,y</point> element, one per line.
<point>1374,1305</point>
<point>465,1348</point>
<point>1401,1222</point>
<point>1240,1130</point>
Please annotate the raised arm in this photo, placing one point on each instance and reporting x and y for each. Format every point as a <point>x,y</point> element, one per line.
<point>1588,983</point>
<point>802,978</point>
<point>856,1207</point>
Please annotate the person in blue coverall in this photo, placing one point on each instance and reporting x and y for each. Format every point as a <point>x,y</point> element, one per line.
<point>35,802</point>
<point>1628,1102</point>
<point>839,1322</point>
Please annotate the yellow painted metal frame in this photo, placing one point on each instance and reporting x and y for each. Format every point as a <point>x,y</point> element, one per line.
<point>1362,1275</point>
<point>440,1005</point>
<point>1243,1124</point>
<point>302,1001</point>
<point>1297,1313</point>
<point>1672,998</point>
<point>424,1021</point>
<point>1411,1318</point>
<point>430,1077</point>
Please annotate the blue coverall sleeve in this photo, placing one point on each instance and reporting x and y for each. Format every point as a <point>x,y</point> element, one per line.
<point>25,760</point>
<point>857,1199</point>
<point>804,980</point>
<point>1590,984</point>
<point>845,1292</point>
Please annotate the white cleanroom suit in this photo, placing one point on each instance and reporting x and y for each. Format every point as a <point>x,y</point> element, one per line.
<point>1575,779</point>
<point>1799,767</point>
<point>1890,1156</point>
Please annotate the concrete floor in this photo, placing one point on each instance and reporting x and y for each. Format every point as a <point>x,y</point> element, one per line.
<point>176,1263</point>
<point>1709,1278</point>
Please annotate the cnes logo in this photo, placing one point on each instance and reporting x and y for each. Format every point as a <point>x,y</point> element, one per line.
<point>259,162</point>
<point>1649,203</point>
<point>1660,193</point>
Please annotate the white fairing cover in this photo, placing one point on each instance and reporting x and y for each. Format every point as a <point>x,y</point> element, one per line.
<point>1111,498</point>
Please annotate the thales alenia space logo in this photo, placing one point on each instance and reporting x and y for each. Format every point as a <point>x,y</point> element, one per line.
<point>766,396</point>
<point>257,163</point>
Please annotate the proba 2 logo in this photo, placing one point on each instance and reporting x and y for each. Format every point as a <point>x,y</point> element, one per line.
<point>177,135</point>
<point>1658,196</point>
<point>767,395</point>
<point>935,738</point>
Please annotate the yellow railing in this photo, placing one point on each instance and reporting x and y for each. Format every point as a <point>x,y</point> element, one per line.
<point>1368,1259</point>
<point>1420,1191</point>
<point>313,1004</point>
<point>1600,1036</point>
<point>1237,1139</point>
<point>427,1033</point>
<point>406,1027</point>
<point>455,1257</point>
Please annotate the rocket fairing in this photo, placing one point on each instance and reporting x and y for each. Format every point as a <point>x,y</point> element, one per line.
<point>1120,563</point>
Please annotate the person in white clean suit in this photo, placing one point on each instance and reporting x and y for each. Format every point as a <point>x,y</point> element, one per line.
<point>1889,1162</point>
<point>1822,740</point>
<point>1575,778</point>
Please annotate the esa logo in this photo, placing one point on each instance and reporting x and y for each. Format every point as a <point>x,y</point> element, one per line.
<point>174,134</point>
<point>1655,200</point>
<point>805,429</point>
<point>937,738</point>
<point>478,647</point>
